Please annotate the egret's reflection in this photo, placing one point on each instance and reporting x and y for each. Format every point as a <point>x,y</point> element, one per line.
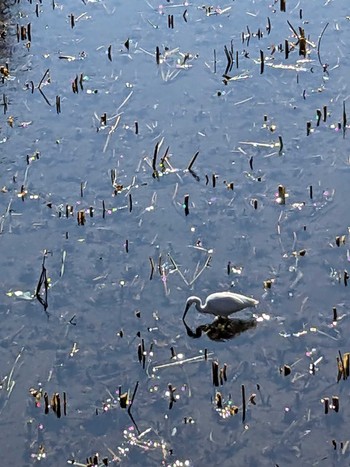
<point>222,328</point>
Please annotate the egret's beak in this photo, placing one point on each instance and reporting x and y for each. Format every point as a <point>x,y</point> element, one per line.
<point>186,310</point>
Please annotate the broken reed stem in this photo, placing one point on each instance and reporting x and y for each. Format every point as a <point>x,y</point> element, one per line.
<point>262,62</point>
<point>139,352</point>
<point>192,161</point>
<point>42,79</point>
<point>243,404</point>
<point>186,199</point>
<point>154,160</point>
<point>294,31</point>
<point>152,268</point>
<point>215,373</point>
<point>58,104</point>
<point>342,364</point>
<point>281,144</point>
<point>157,55</point>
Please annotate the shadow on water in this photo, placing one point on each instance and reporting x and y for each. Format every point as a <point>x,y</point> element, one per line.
<point>149,152</point>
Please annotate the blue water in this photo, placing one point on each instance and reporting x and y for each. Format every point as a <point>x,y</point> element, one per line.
<point>103,302</point>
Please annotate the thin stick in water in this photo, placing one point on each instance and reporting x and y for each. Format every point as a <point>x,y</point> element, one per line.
<point>319,46</point>
<point>152,268</point>
<point>192,161</point>
<point>243,404</point>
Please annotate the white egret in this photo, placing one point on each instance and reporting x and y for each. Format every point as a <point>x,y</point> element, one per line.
<point>221,303</point>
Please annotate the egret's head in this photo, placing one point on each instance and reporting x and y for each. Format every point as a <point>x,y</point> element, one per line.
<point>189,302</point>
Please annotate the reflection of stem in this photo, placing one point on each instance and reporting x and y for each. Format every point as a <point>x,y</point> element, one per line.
<point>40,84</point>
<point>196,270</point>
<point>10,382</point>
<point>130,406</point>
<point>46,99</point>
<point>111,131</point>
<point>9,385</point>
<point>3,217</point>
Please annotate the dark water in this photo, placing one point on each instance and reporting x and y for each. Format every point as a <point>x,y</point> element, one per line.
<point>103,303</point>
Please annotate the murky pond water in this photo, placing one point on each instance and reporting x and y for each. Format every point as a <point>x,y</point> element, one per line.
<point>105,232</point>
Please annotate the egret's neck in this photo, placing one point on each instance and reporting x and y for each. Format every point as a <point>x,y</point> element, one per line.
<point>198,304</point>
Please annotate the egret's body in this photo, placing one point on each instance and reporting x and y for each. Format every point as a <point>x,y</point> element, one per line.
<point>221,303</point>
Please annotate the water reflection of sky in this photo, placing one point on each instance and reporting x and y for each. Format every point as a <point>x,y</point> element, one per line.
<point>107,291</point>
